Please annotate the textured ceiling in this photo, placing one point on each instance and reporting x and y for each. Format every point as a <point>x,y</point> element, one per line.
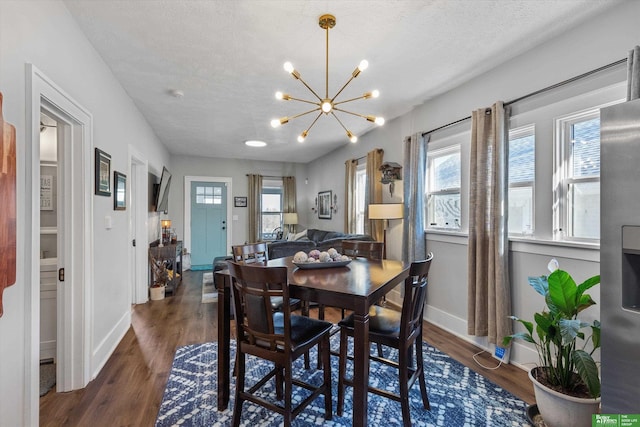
<point>227,55</point>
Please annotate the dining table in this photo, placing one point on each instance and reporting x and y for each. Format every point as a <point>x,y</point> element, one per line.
<point>356,287</point>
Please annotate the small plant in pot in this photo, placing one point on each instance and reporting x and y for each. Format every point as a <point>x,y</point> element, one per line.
<point>567,374</point>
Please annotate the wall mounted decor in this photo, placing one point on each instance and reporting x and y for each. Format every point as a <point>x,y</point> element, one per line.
<point>240,202</point>
<point>46,192</point>
<point>324,204</point>
<point>103,173</point>
<point>8,205</point>
<point>120,191</point>
<point>391,172</point>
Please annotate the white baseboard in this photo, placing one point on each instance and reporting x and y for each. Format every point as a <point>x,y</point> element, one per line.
<point>520,355</point>
<point>108,345</point>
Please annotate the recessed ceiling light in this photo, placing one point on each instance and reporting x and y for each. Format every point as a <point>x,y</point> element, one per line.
<point>255,143</point>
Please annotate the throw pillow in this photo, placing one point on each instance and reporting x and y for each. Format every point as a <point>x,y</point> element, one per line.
<point>300,235</point>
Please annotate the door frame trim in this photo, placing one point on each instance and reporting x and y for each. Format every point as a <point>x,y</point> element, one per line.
<point>76,319</point>
<point>139,223</point>
<point>187,205</point>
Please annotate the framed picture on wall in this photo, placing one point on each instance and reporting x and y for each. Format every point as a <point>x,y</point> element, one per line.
<point>240,202</point>
<point>120,191</point>
<point>103,173</point>
<point>324,204</point>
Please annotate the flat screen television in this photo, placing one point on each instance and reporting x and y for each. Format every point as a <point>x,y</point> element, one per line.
<point>162,192</point>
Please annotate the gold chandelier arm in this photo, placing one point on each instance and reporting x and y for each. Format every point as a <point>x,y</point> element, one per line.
<point>341,124</point>
<point>351,112</point>
<point>341,89</point>
<point>304,114</point>
<point>352,99</point>
<point>309,87</point>
<point>314,121</point>
<point>303,100</point>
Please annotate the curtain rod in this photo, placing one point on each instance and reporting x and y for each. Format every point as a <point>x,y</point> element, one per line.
<point>266,176</point>
<point>537,92</point>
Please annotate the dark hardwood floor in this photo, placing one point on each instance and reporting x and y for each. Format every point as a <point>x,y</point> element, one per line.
<point>128,390</point>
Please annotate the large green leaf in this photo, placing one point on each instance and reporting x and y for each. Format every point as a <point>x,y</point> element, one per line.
<point>562,292</point>
<point>588,371</point>
<point>588,284</point>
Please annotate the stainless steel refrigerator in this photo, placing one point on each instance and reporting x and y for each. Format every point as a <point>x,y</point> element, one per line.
<point>620,257</point>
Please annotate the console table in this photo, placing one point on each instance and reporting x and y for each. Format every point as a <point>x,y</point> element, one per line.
<point>171,255</point>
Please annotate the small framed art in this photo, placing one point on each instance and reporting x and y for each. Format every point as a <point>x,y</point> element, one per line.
<point>103,173</point>
<point>240,202</point>
<point>120,191</point>
<point>324,205</point>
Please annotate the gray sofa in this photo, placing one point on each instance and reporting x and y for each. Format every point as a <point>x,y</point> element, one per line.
<point>316,239</point>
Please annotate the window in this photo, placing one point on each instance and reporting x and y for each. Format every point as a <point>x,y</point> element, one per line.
<point>272,196</point>
<point>521,180</point>
<point>361,186</point>
<point>443,188</point>
<point>208,195</point>
<point>578,148</point>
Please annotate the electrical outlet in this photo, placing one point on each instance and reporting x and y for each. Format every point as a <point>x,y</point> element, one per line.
<point>501,353</point>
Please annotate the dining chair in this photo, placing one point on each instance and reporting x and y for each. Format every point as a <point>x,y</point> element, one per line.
<point>400,330</point>
<point>257,253</point>
<point>250,252</point>
<point>361,248</point>
<point>280,337</point>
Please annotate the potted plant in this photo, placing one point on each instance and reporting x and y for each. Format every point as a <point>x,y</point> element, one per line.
<point>567,382</point>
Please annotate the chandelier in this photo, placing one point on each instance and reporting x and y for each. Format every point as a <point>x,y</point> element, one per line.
<point>326,105</point>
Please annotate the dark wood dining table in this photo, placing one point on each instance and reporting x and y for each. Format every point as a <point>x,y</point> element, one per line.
<point>355,287</point>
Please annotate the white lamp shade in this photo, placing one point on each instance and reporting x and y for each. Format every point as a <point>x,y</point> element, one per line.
<point>386,211</point>
<point>290,218</point>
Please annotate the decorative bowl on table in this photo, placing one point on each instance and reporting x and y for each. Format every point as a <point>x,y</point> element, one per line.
<point>316,259</point>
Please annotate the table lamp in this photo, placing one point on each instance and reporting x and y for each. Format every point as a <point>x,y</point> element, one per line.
<point>290,219</point>
<point>166,226</point>
<point>386,211</point>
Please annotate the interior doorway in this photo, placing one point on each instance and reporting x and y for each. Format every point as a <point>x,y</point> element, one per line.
<point>137,198</point>
<point>49,242</point>
<point>74,130</point>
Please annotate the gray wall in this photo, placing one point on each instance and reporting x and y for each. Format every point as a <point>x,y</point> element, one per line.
<point>44,33</point>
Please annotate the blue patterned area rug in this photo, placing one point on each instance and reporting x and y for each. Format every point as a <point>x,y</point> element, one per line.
<point>458,396</point>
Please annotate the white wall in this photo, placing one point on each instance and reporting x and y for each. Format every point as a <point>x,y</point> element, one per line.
<point>44,33</point>
<point>601,41</point>
<point>237,170</point>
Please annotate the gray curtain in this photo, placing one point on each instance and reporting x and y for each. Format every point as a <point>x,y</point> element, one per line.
<point>373,194</point>
<point>289,196</point>
<point>350,167</point>
<point>415,160</point>
<point>254,204</point>
<point>633,74</point>
<point>489,291</point>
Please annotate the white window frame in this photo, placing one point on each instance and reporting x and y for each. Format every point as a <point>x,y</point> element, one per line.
<point>563,178</point>
<point>273,186</point>
<point>523,132</point>
<point>429,192</point>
